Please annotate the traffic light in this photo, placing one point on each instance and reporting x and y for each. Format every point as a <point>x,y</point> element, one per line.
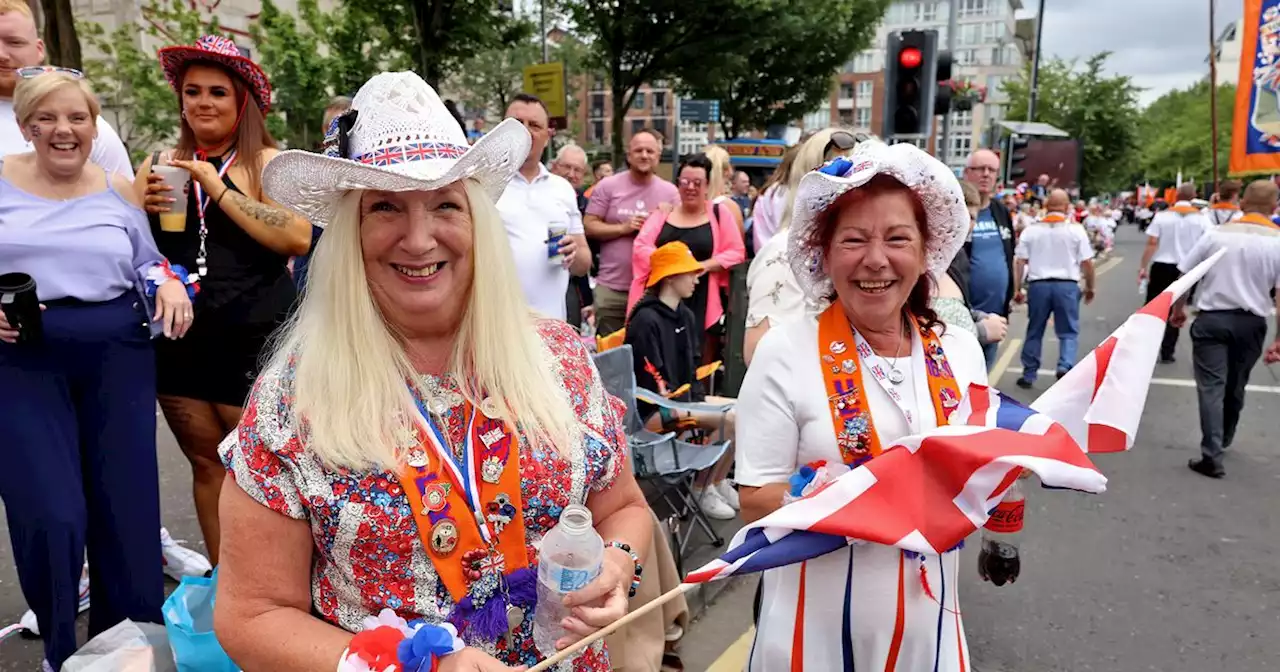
<point>1016,156</point>
<point>910,83</point>
<point>942,101</point>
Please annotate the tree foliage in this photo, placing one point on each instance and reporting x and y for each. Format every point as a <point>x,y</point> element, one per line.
<point>61,41</point>
<point>487,81</point>
<point>1099,110</point>
<point>783,72</point>
<point>1174,135</point>
<point>288,49</point>
<point>637,43</point>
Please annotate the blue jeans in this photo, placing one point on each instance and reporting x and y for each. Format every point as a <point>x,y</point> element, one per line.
<point>1061,298</point>
<point>990,351</point>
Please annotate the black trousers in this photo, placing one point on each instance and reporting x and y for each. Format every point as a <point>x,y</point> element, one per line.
<point>1225,344</point>
<point>1163,275</point>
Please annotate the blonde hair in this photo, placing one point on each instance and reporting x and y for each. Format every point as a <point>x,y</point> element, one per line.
<point>810,157</point>
<point>971,195</point>
<point>350,389</point>
<point>16,6</point>
<point>716,184</point>
<point>32,90</point>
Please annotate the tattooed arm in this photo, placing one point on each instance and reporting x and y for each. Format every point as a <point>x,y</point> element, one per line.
<point>269,223</point>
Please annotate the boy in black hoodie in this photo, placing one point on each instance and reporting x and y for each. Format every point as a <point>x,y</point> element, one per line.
<point>665,341</point>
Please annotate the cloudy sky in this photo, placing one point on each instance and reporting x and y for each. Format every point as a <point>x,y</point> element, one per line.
<point>1161,44</point>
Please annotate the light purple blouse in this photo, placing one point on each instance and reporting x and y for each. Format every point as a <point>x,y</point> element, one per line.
<point>92,248</point>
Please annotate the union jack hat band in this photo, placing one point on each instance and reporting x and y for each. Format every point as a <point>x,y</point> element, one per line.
<point>398,136</point>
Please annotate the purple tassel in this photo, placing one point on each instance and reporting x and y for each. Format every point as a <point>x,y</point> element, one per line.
<point>490,621</point>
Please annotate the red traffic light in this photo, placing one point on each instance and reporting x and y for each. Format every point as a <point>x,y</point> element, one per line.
<point>910,57</point>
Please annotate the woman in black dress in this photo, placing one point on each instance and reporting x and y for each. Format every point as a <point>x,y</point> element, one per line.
<point>235,238</point>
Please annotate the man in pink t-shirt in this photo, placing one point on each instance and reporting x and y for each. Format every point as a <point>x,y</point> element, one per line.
<point>618,207</point>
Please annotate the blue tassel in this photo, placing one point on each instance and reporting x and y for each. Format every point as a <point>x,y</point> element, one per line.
<point>489,622</point>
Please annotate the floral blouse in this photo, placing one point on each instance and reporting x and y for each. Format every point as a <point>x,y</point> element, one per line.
<point>368,553</point>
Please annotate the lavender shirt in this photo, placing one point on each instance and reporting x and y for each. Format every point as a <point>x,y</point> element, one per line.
<point>92,248</point>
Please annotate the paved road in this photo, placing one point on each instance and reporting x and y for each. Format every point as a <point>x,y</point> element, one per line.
<point>1166,571</point>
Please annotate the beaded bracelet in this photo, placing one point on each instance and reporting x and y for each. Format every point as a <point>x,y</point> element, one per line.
<point>635,578</point>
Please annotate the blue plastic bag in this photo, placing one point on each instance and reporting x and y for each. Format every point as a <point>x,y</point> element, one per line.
<point>188,619</point>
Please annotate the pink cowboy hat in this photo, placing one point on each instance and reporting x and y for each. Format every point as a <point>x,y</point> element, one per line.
<point>221,51</point>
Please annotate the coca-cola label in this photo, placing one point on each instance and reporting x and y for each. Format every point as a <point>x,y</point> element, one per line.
<point>1007,518</point>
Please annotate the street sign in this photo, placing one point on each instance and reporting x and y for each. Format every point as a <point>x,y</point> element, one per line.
<point>546,81</point>
<point>700,111</point>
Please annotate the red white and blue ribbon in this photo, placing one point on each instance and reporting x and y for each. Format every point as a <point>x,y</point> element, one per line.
<point>163,272</point>
<point>467,473</point>
<point>388,643</point>
<point>202,203</point>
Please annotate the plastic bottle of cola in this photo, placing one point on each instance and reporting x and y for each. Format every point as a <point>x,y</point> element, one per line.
<point>998,561</point>
<point>569,559</point>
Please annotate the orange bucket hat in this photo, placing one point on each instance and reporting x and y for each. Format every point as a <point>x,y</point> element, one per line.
<point>671,259</point>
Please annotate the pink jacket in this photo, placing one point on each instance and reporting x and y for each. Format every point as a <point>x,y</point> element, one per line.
<point>727,249</point>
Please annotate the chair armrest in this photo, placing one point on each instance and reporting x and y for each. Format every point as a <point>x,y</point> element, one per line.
<point>651,397</point>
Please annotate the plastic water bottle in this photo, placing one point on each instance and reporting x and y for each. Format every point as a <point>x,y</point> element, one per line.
<point>998,561</point>
<point>1142,287</point>
<point>569,559</point>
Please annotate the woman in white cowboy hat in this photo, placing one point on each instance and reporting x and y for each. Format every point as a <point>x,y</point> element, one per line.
<point>868,233</point>
<point>418,430</point>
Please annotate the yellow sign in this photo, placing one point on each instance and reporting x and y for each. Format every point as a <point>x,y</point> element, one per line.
<point>752,150</point>
<point>546,81</point>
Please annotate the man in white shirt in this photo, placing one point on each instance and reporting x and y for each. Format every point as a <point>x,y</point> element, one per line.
<point>1233,301</point>
<point>537,208</point>
<point>1172,234</point>
<point>21,47</point>
<point>1054,254</point>
<point>1226,206</point>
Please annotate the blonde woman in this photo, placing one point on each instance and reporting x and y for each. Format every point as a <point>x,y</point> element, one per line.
<point>718,181</point>
<point>413,409</point>
<point>773,296</point>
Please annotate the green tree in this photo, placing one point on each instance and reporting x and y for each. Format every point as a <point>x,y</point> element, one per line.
<point>1174,135</point>
<point>487,81</point>
<point>1099,110</point>
<point>783,72</point>
<point>290,54</point>
<point>637,43</point>
<point>61,42</point>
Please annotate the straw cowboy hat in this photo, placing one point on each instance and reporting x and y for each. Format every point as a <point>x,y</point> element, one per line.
<point>398,136</point>
<point>937,187</point>
<point>221,51</point>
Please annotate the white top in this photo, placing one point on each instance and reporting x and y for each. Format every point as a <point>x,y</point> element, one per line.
<point>529,210</point>
<point>1054,251</point>
<point>1247,273</point>
<point>1177,233</point>
<point>784,421</point>
<point>1222,215</point>
<point>772,290</point>
<point>108,152</point>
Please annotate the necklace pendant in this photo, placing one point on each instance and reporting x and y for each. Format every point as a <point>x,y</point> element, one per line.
<point>515,616</point>
<point>438,405</point>
<point>896,377</point>
<point>201,268</point>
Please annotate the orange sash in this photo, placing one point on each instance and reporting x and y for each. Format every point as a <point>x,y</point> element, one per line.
<point>1224,206</point>
<point>437,488</point>
<point>1054,218</point>
<point>1185,209</point>
<point>842,372</point>
<point>1255,218</point>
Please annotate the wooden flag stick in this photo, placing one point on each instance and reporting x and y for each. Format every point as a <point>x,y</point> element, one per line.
<point>574,648</point>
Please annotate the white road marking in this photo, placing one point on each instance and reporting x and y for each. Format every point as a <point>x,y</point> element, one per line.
<point>1011,349</point>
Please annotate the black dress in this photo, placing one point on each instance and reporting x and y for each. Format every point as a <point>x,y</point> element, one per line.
<point>245,296</point>
<point>702,244</point>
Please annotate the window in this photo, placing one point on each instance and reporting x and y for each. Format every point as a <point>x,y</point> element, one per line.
<point>863,62</point>
<point>846,117</point>
<point>597,105</point>
<point>597,131</point>
<point>637,125</point>
<point>862,117</point>
<point>926,11</point>
<point>960,147</point>
<point>846,89</point>
<point>994,82</point>
<point>637,103</point>
<point>863,96</point>
<point>961,119</point>
<point>659,103</point>
<point>966,57</point>
<point>660,125</point>
<point>967,8</point>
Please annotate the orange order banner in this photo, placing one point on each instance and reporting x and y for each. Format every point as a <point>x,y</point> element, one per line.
<point>1255,135</point>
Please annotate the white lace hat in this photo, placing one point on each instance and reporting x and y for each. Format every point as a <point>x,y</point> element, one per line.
<point>398,136</point>
<point>931,180</point>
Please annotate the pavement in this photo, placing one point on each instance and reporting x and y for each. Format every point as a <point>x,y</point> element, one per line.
<point>1168,570</point>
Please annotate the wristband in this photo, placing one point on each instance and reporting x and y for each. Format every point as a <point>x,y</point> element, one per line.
<point>218,201</point>
<point>639,569</point>
<point>390,644</point>
<point>163,272</point>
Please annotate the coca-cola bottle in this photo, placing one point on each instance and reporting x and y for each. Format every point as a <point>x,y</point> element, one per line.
<point>998,561</point>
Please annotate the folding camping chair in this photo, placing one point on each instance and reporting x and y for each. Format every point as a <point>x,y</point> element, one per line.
<point>662,459</point>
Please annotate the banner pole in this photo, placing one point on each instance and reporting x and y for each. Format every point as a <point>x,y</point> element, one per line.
<point>1213,97</point>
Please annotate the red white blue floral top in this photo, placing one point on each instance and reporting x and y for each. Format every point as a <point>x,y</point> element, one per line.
<point>368,553</point>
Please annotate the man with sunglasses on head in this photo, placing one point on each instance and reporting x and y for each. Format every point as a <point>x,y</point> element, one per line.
<point>21,54</point>
<point>990,246</point>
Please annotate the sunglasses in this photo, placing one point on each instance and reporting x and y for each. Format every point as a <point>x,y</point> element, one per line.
<point>844,141</point>
<point>37,70</point>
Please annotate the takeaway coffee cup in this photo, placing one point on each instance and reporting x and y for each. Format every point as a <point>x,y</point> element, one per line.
<point>21,306</point>
<point>555,234</point>
<point>174,221</point>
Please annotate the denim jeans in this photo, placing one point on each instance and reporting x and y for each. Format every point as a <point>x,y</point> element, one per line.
<point>1060,298</point>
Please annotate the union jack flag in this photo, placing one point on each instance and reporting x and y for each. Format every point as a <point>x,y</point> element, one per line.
<point>929,492</point>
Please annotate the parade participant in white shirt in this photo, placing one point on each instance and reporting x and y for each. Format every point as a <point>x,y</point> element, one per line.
<point>838,387</point>
<point>1233,301</point>
<point>1170,237</point>
<point>21,47</point>
<point>538,208</point>
<point>1227,206</point>
<point>1054,253</point>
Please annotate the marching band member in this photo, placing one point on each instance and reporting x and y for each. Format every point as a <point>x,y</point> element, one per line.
<point>1170,238</point>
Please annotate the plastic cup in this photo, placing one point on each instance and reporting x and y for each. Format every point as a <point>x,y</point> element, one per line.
<point>174,221</point>
<point>555,234</point>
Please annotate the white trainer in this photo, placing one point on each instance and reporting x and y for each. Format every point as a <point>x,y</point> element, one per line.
<point>728,494</point>
<point>713,505</point>
<point>28,620</point>
<point>180,561</point>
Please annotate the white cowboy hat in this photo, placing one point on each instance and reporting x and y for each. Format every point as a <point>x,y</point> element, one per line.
<point>931,180</point>
<point>398,136</point>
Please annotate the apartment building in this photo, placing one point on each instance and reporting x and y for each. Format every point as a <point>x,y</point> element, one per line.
<point>653,107</point>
